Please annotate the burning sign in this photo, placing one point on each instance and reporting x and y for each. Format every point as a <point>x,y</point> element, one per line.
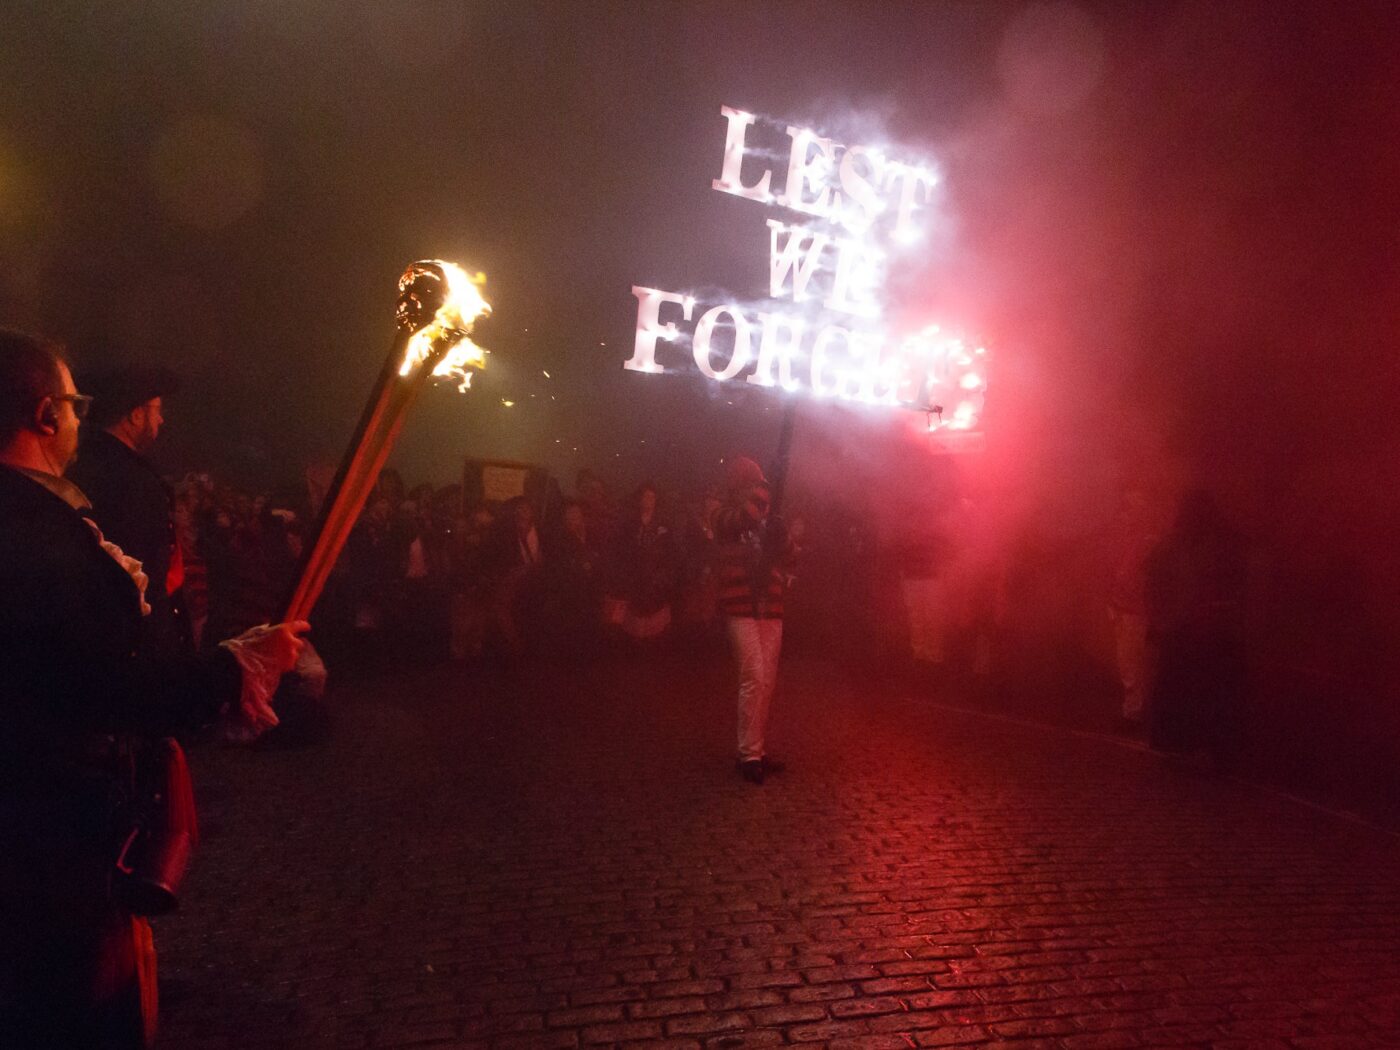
<point>850,214</point>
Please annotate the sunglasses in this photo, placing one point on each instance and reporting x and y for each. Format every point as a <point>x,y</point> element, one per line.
<point>81,403</point>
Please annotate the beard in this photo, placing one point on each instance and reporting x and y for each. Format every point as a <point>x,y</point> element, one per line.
<point>143,439</point>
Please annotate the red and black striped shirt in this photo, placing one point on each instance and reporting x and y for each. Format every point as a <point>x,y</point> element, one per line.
<point>745,588</point>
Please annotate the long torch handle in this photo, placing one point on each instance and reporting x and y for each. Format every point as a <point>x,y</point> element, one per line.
<point>354,480</point>
<point>777,482</point>
<point>437,304</point>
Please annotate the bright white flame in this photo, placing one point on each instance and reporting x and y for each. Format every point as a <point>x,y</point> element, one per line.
<point>461,308</point>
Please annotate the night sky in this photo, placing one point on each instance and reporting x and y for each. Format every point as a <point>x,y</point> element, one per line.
<point>1175,223</point>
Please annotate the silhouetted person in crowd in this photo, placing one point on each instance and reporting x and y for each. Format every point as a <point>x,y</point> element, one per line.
<point>574,565</point>
<point>80,695</point>
<point>515,563</point>
<point>646,567</point>
<point>849,562</point>
<point>698,601</point>
<point>1133,541</point>
<point>131,502</point>
<point>1195,607</point>
<point>422,615</point>
<point>305,498</point>
<point>592,495</point>
<point>925,558</point>
<point>251,562</point>
<point>468,550</point>
<point>389,485</point>
<point>372,565</point>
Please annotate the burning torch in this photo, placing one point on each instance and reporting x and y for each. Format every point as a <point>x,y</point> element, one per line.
<point>438,304</point>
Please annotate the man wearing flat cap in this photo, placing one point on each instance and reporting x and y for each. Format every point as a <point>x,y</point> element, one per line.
<point>131,502</point>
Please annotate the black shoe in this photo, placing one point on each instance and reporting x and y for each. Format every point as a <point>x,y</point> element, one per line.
<point>752,770</point>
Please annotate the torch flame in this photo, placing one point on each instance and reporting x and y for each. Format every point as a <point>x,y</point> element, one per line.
<point>446,339</point>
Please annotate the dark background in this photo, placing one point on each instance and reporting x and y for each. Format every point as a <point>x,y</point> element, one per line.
<point>1175,223</point>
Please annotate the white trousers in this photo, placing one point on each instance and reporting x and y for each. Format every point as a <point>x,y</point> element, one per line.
<point>1134,670</point>
<point>756,645</point>
<point>926,602</point>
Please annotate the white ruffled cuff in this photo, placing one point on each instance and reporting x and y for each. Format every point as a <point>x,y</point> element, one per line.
<point>253,714</point>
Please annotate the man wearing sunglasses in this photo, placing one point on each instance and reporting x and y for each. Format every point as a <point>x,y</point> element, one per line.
<point>79,695</point>
<point>755,558</point>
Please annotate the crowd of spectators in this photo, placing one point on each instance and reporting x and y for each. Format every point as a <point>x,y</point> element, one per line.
<point>430,574</point>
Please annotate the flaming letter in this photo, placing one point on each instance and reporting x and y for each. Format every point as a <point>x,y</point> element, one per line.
<point>878,374</point>
<point>908,180</point>
<point>860,188</point>
<point>703,331</point>
<point>783,259</point>
<point>773,344</point>
<point>819,361</point>
<point>858,275</point>
<point>731,175</point>
<point>802,170</point>
<point>649,302</point>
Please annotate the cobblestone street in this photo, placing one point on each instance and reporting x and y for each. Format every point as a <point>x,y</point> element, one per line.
<point>567,858</point>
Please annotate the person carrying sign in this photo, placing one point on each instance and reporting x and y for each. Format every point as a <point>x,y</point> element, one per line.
<point>755,559</point>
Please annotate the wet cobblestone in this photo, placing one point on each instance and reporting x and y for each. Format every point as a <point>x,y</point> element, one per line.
<point>566,858</point>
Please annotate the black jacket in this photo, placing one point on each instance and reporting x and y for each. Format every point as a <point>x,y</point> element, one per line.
<point>132,505</point>
<point>77,693</point>
<point>130,501</point>
<point>69,630</point>
<point>74,681</point>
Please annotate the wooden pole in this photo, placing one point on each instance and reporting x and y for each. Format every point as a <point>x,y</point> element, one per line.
<point>422,292</point>
<point>354,480</point>
<point>777,475</point>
